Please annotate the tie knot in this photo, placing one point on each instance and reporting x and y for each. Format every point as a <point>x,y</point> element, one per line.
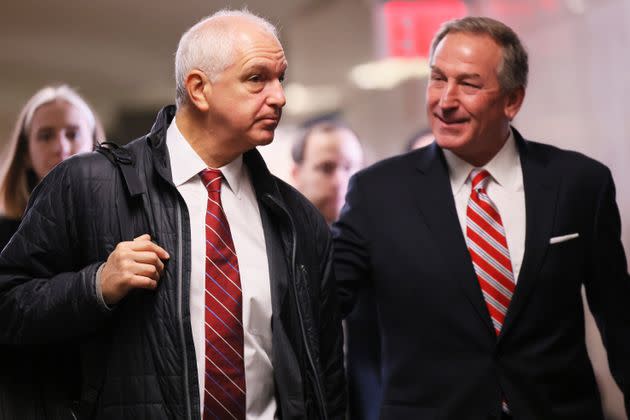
<point>479,179</point>
<point>211,178</point>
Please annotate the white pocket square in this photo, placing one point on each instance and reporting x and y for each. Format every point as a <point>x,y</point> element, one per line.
<point>563,238</point>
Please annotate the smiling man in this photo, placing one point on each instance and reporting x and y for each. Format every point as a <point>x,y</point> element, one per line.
<point>477,247</point>
<point>179,279</point>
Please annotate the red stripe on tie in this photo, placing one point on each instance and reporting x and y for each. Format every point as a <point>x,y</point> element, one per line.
<point>479,179</point>
<point>486,227</point>
<point>491,250</point>
<point>224,395</point>
<point>492,257</point>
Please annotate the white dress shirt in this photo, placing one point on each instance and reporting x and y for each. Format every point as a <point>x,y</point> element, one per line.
<point>505,189</point>
<point>243,215</point>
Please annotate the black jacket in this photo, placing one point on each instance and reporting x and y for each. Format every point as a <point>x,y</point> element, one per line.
<point>137,361</point>
<point>7,229</point>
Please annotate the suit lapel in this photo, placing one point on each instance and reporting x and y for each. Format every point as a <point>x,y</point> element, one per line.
<point>437,206</point>
<point>541,194</point>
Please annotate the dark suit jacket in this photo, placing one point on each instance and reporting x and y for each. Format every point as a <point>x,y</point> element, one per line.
<point>363,359</point>
<point>399,234</point>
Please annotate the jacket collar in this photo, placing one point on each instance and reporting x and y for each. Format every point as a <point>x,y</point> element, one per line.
<point>157,142</point>
<point>441,218</point>
<point>262,180</point>
<point>541,185</point>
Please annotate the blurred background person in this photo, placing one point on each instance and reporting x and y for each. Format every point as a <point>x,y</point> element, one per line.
<point>324,159</point>
<point>55,124</point>
<point>420,139</point>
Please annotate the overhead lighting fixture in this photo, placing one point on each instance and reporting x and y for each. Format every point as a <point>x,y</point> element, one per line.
<point>303,100</point>
<point>389,72</point>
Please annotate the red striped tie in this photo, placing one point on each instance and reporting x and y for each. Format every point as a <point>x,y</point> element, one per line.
<point>486,241</point>
<point>224,396</point>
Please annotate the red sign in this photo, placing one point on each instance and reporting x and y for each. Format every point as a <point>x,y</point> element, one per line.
<point>410,25</point>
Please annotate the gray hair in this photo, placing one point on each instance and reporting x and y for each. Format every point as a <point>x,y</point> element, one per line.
<point>514,67</point>
<point>209,46</point>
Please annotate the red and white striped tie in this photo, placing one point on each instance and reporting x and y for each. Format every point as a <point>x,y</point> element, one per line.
<point>487,244</point>
<point>224,396</point>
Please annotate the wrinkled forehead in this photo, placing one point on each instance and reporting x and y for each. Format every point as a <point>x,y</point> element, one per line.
<point>258,40</point>
<point>485,45</point>
<point>468,52</point>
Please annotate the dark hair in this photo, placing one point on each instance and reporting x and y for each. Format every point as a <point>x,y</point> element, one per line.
<point>299,146</point>
<point>514,67</point>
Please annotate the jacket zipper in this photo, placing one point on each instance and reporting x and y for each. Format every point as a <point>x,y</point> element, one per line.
<point>320,393</point>
<point>309,355</point>
<point>180,304</point>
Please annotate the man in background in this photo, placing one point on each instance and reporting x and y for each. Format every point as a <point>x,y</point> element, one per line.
<point>324,159</point>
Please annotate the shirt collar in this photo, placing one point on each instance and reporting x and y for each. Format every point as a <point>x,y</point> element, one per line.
<point>505,167</point>
<point>233,174</point>
<point>186,163</point>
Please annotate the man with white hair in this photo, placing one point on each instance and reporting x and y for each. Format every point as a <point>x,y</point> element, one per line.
<point>195,283</point>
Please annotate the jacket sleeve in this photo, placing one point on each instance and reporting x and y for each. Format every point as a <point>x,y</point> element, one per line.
<point>47,293</point>
<point>608,287</point>
<point>331,341</point>
<point>352,253</point>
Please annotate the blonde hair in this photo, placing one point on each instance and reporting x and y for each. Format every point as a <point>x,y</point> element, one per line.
<point>16,179</point>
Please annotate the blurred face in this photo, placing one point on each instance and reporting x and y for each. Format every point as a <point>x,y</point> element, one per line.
<point>247,98</point>
<point>468,111</point>
<point>330,159</point>
<point>58,130</point>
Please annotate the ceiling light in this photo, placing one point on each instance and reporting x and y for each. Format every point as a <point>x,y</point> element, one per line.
<point>303,99</point>
<point>389,72</point>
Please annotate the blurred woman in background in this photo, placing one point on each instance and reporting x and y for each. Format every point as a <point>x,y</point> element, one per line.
<point>55,124</point>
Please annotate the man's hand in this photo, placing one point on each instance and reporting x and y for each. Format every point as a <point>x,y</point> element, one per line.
<point>135,264</point>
